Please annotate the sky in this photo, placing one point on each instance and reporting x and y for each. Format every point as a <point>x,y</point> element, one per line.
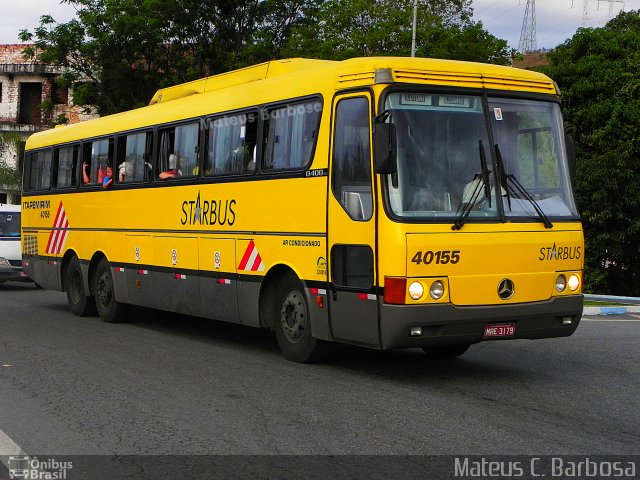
<point>19,14</point>
<point>556,20</point>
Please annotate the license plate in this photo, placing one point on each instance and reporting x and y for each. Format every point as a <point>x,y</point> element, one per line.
<point>500,330</point>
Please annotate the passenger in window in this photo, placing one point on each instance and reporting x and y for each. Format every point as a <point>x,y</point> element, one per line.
<point>125,170</point>
<point>148,168</point>
<point>251,166</point>
<point>108,177</point>
<point>173,171</point>
<point>86,179</point>
<point>85,173</point>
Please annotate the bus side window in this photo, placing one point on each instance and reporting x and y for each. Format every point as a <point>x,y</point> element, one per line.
<point>66,160</point>
<point>133,155</point>
<point>40,170</point>
<point>231,144</point>
<point>290,135</point>
<point>178,151</point>
<point>96,156</point>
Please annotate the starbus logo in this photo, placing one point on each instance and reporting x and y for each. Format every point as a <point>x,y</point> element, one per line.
<point>559,252</point>
<point>208,212</point>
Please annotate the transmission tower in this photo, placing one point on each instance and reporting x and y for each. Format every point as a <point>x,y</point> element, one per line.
<point>585,12</point>
<point>585,9</point>
<point>528,34</point>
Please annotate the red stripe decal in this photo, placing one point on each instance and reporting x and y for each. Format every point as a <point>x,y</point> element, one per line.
<point>245,257</point>
<point>53,236</point>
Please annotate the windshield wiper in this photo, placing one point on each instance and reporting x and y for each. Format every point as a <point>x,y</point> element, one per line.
<point>513,187</point>
<point>481,183</point>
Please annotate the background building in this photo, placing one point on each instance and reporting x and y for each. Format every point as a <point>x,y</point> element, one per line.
<point>30,101</point>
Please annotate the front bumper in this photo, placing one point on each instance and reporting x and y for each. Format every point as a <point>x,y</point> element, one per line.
<point>8,273</point>
<point>12,272</point>
<point>450,325</point>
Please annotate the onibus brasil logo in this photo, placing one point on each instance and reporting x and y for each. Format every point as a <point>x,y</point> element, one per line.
<point>23,466</point>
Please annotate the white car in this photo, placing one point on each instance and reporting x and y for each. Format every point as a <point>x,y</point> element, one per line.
<point>10,250</point>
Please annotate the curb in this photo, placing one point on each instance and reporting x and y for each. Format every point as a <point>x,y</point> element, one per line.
<point>617,310</point>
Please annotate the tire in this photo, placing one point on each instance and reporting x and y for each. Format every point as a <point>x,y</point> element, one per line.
<point>109,309</point>
<point>292,326</point>
<point>80,303</point>
<point>448,351</point>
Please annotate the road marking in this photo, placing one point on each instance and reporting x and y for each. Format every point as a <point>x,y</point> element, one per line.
<point>8,448</point>
<point>609,320</point>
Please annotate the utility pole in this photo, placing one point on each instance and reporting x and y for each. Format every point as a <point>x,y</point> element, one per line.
<point>415,22</point>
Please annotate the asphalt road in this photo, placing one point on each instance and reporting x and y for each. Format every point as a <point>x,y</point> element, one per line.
<point>167,384</point>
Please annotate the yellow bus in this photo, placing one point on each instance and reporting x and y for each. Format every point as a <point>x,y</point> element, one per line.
<point>382,202</point>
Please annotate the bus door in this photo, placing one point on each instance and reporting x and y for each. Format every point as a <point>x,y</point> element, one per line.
<point>351,223</point>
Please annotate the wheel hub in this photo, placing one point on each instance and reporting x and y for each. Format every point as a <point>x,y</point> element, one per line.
<point>293,317</point>
<point>104,290</point>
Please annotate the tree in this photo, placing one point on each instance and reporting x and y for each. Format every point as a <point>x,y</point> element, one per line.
<point>117,53</point>
<point>10,176</point>
<point>598,71</point>
<point>340,29</point>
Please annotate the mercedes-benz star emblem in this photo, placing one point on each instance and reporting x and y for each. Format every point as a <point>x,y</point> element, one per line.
<point>506,289</point>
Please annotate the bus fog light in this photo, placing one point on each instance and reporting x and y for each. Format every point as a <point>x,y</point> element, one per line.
<point>416,290</point>
<point>566,321</point>
<point>561,283</point>
<point>574,282</point>
<point>415,332</point>
<point>437,290</point>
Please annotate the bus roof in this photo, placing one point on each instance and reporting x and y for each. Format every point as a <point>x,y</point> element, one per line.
<point>290,78</point>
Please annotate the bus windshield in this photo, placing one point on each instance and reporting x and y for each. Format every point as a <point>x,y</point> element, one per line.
<point>530,144</point>
<point>10,224</point>
<point>447,164</point>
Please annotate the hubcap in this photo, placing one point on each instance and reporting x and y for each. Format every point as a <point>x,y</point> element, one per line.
<point>293,316</point>
<point>104,290</point>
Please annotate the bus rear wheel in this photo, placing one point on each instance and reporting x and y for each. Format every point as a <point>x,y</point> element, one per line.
<point>448,351</point>
<point>292,326</point>
<point>109,309</point>
<point>80,303</point>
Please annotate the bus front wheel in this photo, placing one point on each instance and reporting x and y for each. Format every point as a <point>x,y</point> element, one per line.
<point>80,303</point>
<point>449,351</point>
<point>109,309</point>
<point>292,326</point>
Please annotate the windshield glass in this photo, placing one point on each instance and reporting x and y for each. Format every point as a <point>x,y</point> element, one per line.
<point>9,224</point>
<point>443,154</point>
<point>529,137</point>
<point>446,162</point>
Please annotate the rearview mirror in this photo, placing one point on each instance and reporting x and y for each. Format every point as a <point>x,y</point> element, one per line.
<point>385,148</point>
<point>571,154</point>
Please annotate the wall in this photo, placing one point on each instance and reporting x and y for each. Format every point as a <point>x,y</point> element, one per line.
<point>16,70</point>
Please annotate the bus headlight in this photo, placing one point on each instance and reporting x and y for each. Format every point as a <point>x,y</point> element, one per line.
<point>561,283</point>
<point>574,282</point>
<point>436,290</point>
<point>416,290</point>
